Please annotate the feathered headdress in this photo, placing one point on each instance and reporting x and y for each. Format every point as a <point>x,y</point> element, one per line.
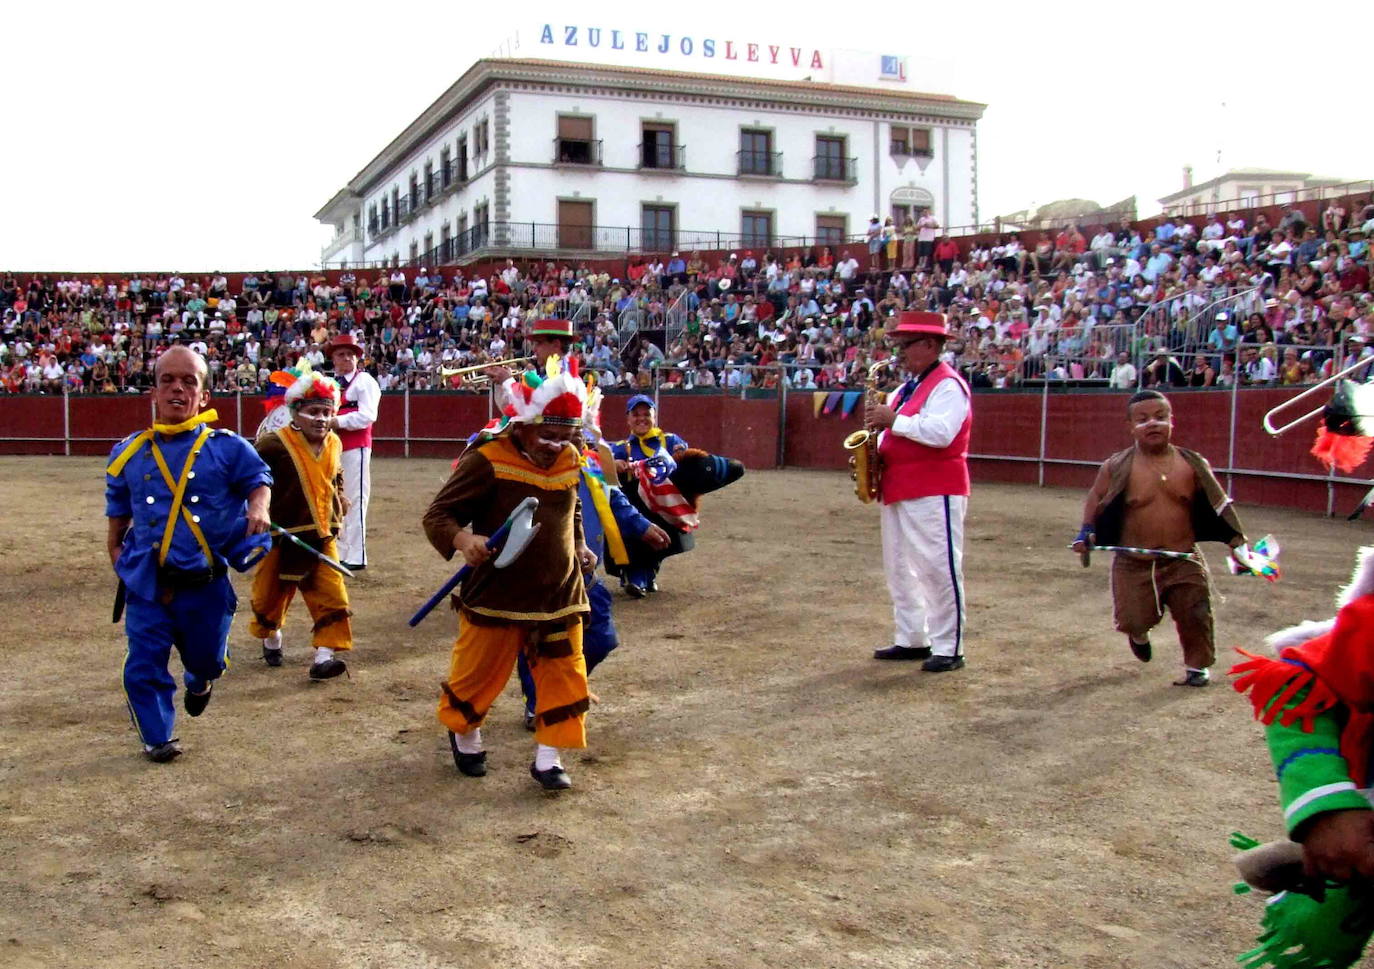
<point>291,386</point>
<point>557,397</point>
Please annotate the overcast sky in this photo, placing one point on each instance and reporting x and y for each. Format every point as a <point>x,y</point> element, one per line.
<point>152,135</point>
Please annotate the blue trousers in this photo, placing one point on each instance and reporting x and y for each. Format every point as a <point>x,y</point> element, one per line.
<point>598,639</point>
<point>196,622</point>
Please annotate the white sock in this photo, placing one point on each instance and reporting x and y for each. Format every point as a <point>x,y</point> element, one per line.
<point>322,654</point>
<point>1205,674</point>
<point>546,757</point>
<point>470,742</point>
<point>273,642</point>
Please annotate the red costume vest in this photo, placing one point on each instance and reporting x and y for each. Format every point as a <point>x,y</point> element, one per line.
<point>352,440</point>
<point>912,470</point>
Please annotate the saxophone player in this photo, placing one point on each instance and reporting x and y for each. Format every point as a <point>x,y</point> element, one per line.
<point>925,426</point>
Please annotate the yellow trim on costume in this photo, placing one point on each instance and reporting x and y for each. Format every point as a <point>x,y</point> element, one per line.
<point>316,474</point>
<point>509,464</point>
<point>559,482</point>
<point>143,437</point>
<point>615,542</point>
<point>178,496</point>
<point>643,441</point>
<point>528,616</point>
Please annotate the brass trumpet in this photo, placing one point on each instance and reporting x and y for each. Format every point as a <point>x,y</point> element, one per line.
<point>514,363</point>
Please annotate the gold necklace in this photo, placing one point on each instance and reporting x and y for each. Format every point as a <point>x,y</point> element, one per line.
<point>1168,465</point>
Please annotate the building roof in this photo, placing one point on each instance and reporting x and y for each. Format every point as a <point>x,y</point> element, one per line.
<point>1268,174</point>
<point>488,72</point>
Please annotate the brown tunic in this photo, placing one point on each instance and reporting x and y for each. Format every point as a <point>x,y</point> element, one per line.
<point>545,583</point>
<point>290,506</point>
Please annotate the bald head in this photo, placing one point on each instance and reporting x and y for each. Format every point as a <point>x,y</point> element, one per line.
<point>178,358</point>
<point>179,388</point>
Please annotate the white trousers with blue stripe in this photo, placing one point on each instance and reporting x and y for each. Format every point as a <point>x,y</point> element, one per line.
<point>357,486</point>
<point>923,557</point>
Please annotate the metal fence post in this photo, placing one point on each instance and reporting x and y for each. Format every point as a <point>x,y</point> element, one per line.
<point>1231,436</point>
<point>238,413</point>
<point>782,416</point>
<point>405,430</point>
<point>66,420</point>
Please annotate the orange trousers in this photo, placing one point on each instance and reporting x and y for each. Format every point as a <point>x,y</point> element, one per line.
<point>324,594</point>
<point>483,658</point>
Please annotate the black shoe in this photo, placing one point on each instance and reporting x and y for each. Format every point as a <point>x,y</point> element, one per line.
<point>328,669</point>
<point>635,591</point>
<point>196,703</point>
<point>902,652</point>
<point>469,765</point>
<point>553,779</point>
<point>163,753</point>
<point>272,657</point>
<point>529,721</point>
<point>1140,651</point>
<point>943,664</point>
<point>1194,678</point>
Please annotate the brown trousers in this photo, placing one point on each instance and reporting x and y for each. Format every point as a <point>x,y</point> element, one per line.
<point>1142,588</point>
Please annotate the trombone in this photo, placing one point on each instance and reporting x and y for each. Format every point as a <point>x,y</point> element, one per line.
<point>514,363</point>
<point>1329,381</point>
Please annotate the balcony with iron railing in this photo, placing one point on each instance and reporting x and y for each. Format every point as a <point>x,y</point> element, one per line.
<point>576,151</point>
<point>764,163</point>
<point>829,168</point>
<point>408,208</point>
<point>662,158</point>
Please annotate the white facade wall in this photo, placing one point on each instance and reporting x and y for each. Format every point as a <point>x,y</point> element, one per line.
<point>518,181</point>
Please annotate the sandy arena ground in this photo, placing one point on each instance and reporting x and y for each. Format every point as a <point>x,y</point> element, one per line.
<point>758,791</point>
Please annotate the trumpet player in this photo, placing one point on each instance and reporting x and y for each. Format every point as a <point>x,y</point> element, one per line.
<point>546,337</point>
<point>925,426</point>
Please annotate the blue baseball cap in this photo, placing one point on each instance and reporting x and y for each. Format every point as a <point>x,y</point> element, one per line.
<point>638,399</point>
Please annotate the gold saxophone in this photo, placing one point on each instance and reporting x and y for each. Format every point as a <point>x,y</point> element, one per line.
<point>864,466</point>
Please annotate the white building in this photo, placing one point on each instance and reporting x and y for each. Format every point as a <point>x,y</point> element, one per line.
<point>524,154</point>
<point>1246,188</point>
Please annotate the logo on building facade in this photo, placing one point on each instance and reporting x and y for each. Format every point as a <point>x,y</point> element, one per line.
<point>892,68</point>
<point>707,48</point>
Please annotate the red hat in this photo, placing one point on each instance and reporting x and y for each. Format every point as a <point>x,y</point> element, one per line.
<point>920,323</point>
<point>344,341</point>
<point>563,328</point>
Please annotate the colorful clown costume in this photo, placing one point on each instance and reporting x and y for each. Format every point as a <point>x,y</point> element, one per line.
<point>536,605</point>
<point>305,502</point>
<point>184,488</point>
<point>1316,699</point>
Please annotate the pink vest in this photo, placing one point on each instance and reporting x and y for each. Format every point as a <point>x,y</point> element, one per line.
<point>912,470</point>
<point>352,440</point>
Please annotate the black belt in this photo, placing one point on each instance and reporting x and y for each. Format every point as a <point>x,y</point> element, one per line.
<point>170,578</point>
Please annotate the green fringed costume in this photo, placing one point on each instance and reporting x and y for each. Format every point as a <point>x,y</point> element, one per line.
<point>1316,699</point>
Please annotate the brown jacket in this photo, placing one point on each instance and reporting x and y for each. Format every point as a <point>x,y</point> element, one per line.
<point>1213,513</point>
<point>545,583</point>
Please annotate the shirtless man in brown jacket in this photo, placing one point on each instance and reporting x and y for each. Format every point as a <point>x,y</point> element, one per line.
<point>1156,495</point>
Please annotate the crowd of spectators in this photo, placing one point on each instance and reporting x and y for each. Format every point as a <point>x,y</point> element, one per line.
<point>1181,302</point>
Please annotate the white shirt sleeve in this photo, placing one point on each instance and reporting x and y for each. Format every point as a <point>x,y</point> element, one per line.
<point>939,420</point>
<point>367,395</point>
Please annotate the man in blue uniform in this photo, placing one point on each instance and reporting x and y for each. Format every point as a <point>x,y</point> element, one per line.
<point>183,501</point>
<point>639,575</point>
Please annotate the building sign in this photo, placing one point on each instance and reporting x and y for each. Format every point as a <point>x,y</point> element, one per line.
<point>708,53</point>
<point>707,49</point>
